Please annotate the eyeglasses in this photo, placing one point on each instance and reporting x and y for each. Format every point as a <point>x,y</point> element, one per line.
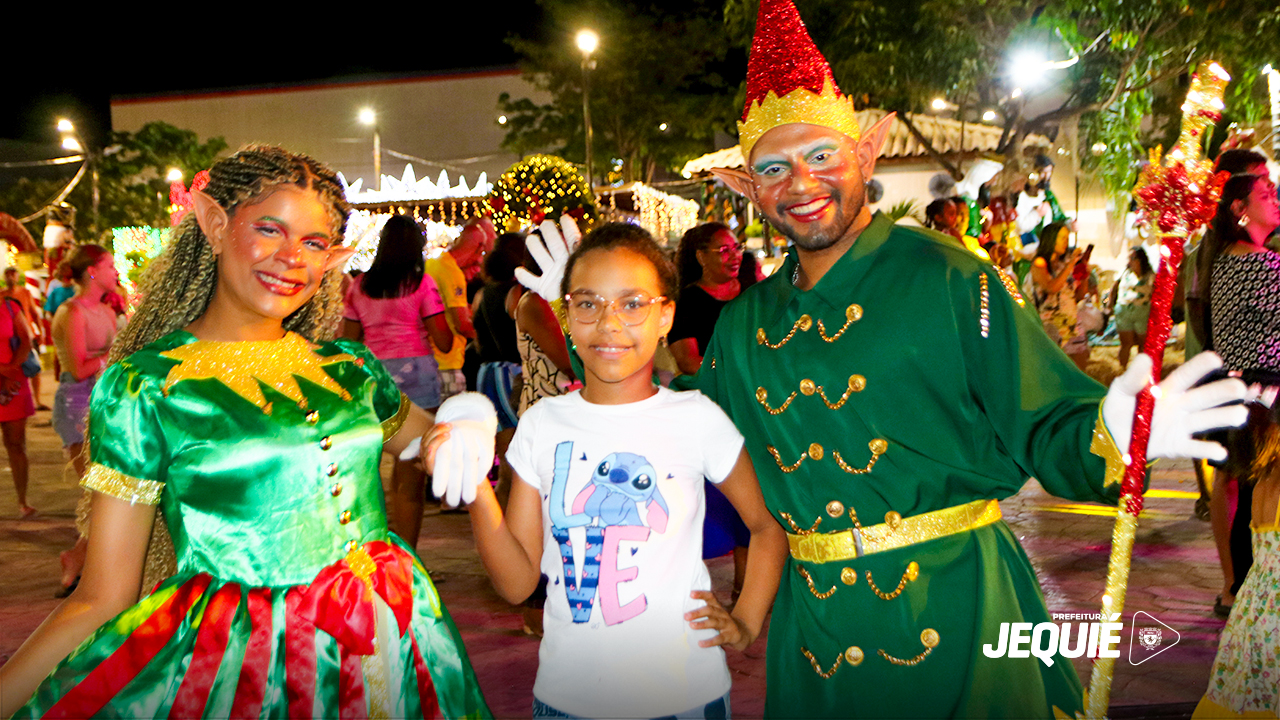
<point>728,251</point>
<point>587,308</point>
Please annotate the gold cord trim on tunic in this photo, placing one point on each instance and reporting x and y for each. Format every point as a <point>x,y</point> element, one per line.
<point>854,543</point>
<point>984,320</point>
<point>762,397</point>
<point>909,575</point>
<point>813,589</point>
<point>817,452</point>
<point>392,425</point>
<point>797,529</point>
<point>825,675</point>
<point>877,448</point>
<point>852,314</point>
<point>929,638</point>
<point>103,479</point>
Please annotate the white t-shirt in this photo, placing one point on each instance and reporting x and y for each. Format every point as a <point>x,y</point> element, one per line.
<point>622,506</point>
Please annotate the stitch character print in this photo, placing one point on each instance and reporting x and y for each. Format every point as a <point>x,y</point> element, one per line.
<point>608,509</point>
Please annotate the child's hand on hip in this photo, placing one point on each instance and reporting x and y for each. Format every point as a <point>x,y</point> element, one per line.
<point>733,632</point>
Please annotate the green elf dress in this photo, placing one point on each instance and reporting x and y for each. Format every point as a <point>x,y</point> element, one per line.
<point>291,598</point>
<point>887,410</point>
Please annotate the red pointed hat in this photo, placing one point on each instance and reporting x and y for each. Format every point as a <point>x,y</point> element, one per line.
<point>788,80</point>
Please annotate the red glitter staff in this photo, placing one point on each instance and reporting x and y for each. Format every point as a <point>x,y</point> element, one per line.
<point>1177,196</point>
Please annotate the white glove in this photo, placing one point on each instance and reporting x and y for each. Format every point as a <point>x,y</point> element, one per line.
<point>551,252</point>
<point>463,461</point>
<point>1180,409</point>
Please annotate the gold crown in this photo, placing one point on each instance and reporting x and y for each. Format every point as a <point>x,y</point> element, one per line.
<point>828,109</point>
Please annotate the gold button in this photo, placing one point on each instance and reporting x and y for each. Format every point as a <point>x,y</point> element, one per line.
<point>930,638</point>
<point>848,576</point>
<point>835,508</point>
<point>815,451</point>
<point>762,394</point>
<point>336,490</point>
<point>853,655</point>
<point>326,442</point>
<point>807,386</point>
<point>344,517</point>
<point>313,417</point>
<point>857,383</point>
<point>331,469</point>
<point>893,519</point>
<point>853,313</point>
<point>913,570</point>
<point>760,338</point>
<point>878,446</point>
<point>805,322</point>
<point>352,545</point>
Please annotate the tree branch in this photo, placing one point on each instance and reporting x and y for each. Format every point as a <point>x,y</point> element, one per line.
<point>928,146</point>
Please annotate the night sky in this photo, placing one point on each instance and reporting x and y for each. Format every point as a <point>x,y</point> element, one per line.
<point>71,65</point>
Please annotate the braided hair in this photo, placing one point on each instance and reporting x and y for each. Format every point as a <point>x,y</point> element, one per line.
<point>177,286</point>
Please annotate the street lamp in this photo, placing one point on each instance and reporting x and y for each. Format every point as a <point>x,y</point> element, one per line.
<point>587,42</point>
<point>368,117</point>
<point>71,141</point>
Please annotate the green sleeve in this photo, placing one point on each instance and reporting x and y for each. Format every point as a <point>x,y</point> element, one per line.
<point>1041,407</point>
<point>389,403</point>
<point>127,449</point>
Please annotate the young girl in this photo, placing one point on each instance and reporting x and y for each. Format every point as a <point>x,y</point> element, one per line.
<point>225,404</point>
<point>608,503</point>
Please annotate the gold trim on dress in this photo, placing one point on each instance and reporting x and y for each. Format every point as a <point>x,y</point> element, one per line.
<point>812,588</point>
<point>392,425</point>
<point>807,388</point>
<point>856,542</point>
<point>107,481</point>
<point>852,314</point>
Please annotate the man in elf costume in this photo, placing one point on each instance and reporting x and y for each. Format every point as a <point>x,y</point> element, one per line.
<point>890,391</point>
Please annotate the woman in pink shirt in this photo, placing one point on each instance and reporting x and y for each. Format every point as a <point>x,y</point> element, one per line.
<point>388,308</point>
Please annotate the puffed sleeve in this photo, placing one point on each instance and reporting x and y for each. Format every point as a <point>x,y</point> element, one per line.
<point>126,441</point>
<point>390,405</point>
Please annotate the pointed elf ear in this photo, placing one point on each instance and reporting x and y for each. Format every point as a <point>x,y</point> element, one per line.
<point>212,219</point>
<point>871,143</point>
<point>738,181</point>
<point>338,257</point>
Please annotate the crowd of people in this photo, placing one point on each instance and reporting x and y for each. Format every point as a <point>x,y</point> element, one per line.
<point>847,425</point>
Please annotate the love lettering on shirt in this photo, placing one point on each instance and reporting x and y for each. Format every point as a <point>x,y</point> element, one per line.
<point>609,509</point>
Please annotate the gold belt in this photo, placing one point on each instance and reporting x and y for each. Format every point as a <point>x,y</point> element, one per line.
<point>856,542</point>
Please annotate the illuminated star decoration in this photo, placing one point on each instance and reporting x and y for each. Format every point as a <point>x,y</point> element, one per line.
<point>242,365</point>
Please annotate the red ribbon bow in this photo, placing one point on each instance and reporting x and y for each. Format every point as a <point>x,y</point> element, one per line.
<point>340,599</point>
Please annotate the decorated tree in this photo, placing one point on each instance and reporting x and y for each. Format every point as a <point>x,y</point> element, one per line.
<point>538,187</point>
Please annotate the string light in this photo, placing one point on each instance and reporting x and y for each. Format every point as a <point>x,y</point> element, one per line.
<point>663,214</point>
<point>134,248</point>
<point>364,229</point>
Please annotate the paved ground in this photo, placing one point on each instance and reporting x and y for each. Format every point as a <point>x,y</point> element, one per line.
<point>1175,578</point>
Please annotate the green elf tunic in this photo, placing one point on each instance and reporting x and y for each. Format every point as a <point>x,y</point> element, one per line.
<point>908,381</point>
<point>291,598</point>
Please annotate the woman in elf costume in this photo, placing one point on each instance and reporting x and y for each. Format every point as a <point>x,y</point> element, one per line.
<point>226,404</point>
